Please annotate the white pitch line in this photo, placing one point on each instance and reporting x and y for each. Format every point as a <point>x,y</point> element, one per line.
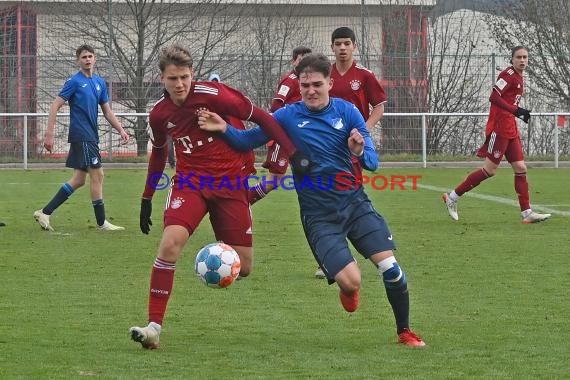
<point>495,199</point>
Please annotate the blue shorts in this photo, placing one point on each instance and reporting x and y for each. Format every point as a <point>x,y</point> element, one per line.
<point>358,222</point>
<point>84,155</point>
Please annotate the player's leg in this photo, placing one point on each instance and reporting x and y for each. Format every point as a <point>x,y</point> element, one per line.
<point>184,211</point>
<point>349,280</point>
<point>357,171</point>
<point>231,220</point>
<point>370,235</point>
<point>515,156</point>
<point>94,164</point>
<point>161,282</point>
<point>493,150</point>
<point>75,161</point>
<point>326,236</point>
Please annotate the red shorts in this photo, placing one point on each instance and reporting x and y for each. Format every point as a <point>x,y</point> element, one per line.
<point>276,161</point>
<point>229,211</point>
<point>495,147</point>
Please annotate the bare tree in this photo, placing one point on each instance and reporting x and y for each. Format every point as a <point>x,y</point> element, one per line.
<point>544,28</point>
<point>455,82</point>
<point>273,34</point>
<point>133,32</point>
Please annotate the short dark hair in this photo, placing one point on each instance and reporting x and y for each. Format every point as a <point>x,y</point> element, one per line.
<point>343,32</point>
<point>82,48</point>
<point>301,50</point>
<point>314,63</point>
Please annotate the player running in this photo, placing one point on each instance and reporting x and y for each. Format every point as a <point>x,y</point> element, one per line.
<point>503,139</point>
<point>199,155</point>
<point>331,131</point>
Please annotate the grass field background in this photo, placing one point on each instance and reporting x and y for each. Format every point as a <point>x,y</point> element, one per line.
<point>489,295</point>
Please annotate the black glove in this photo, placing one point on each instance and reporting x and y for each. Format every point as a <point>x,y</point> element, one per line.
<point>146,210</point>
<point>523,114</point>
<point>300,162</point>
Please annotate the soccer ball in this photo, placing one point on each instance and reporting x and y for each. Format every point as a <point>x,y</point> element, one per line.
<point>217,265</point>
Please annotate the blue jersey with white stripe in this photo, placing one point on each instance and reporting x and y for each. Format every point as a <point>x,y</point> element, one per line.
<point>323,137</point>
<point>84,95</point>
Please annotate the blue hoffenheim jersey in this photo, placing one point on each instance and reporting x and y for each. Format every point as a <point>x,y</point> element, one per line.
<point>323,137</point>
<point>84,96</point>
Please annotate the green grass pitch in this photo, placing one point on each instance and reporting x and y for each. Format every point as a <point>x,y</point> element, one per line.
<point>489,295</point>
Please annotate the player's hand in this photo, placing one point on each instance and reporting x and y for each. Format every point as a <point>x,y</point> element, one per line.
<point>523,114</point>
<point>356,142</point>
<point>211,122</point>
<point>300,162</point>
<point>124,137</point>
<point>146,211</point>
<point>48,143</point>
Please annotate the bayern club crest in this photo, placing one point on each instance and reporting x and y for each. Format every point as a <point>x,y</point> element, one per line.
<point>497,154</point>
<point>176,203</point>
<point>355,84</point>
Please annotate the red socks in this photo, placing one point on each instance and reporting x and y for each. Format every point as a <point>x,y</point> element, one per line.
<point>521,187</point>
<point>161,281</point>
<point>472,180</point>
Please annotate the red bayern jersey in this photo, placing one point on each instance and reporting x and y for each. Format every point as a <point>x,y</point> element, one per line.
<point>358,86</point>
<point>509,86</point>
<point>249,157</point>
<point>288,89</point>
<point>198,151</point>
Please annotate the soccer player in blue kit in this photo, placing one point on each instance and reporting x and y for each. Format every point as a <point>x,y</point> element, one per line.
<point>329,131</point>
<point>85,91</point>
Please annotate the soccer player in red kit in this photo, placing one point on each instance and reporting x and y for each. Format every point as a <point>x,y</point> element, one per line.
<point>276,161</point>
<point>502,139</point>
<point>355,83</point>
<point>207,180</point>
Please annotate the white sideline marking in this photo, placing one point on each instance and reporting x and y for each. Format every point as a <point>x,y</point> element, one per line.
<point>495,199</point>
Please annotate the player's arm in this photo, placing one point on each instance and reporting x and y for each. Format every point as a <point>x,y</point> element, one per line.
<point>114,121</point>
<point>156,164</point>
<point>360,142</point>
<point>375,116</point>
<point>245,139</point>
<point>272,128</point>
<point>49,138</point>
<point>239,139</point>
<point>376,96</point>
<point>499,101</point>
<point>276,104</point>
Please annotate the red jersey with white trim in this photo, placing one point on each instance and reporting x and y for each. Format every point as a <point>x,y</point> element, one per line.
<point>358,86</point>
<point>198,151</point>
<point>288,89</point>
<point>509,86</point>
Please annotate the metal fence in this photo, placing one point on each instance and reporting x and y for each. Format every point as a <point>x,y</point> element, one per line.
<point>429,137</point>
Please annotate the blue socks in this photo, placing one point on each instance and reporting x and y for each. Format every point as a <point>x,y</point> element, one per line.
<point>99,208</point>
<point>61,196</point>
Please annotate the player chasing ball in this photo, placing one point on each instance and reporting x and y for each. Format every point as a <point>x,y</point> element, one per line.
<point>331,131</point>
